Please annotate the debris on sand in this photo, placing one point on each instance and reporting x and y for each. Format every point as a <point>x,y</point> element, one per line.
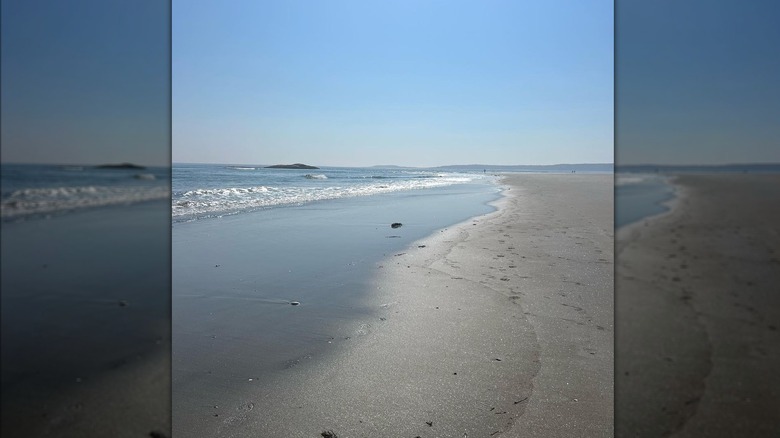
<point>294,303</point>
<point>329,434</point>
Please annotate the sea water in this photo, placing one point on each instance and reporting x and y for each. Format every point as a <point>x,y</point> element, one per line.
<point>640,195</point>
<point>206,191</point>
<point>34,191</point>
<point>85,288</point>
<point>642,191</point>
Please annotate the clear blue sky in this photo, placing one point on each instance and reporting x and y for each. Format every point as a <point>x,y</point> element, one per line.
<point>698,82</point>
<point>85,81</point>
<point>417,83</point>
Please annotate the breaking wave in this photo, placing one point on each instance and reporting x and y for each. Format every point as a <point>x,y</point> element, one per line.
<point>36,201</point>
<point>194,204</point>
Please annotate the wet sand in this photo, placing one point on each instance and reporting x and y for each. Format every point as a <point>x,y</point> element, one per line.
<point>698,312</point>
<point>86,324</point>
<point>499,326</point>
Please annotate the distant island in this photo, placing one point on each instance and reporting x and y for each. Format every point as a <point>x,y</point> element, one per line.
<point>120,166</point>
<point>291,166</point>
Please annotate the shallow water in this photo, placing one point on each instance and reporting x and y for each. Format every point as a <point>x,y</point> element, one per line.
<point>234,278</point>
<point>84,295</point>
<point>638,196</point>
<point>211,190</point>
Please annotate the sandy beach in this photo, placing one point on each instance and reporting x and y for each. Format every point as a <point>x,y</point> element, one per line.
<point>697,312</point>
<point>498,326</point>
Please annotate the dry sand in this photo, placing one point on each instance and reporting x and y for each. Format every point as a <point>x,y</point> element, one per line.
<point>698,309</point>
<point>499,326</point>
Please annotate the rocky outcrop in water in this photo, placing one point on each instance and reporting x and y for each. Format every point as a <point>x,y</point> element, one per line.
<point>291,166</point>
<point>120,166</point>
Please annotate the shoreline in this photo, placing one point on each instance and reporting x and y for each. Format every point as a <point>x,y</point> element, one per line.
<point>465,335</point>
<point>695,300</point>
<point>234,329</point>
<point>85,338</point>
<point>632,230</point>
<point>669,204</point>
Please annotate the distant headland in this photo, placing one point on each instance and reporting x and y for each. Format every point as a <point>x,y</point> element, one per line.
<point>120,166</point>
<point>291,166</point>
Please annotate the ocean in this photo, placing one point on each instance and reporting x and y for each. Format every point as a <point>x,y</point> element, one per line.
<point>642,191</point>
<point>203,191</point>
<point>85,299</point>
<point>640,195</point>
<point>34,191</point>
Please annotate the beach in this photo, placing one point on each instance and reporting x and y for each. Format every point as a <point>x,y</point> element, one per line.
<point>697,312</point>
<point>500,325</point>
<point>86,323</point>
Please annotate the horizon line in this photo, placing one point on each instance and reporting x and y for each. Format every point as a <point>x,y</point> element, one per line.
<point>420,167</point>
<point>751,163</point>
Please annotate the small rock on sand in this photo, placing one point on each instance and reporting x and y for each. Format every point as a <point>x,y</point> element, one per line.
<point>329,434</point>
<point>294,303</point>
<point>396,225</point>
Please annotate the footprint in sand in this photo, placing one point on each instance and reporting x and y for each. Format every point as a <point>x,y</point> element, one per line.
<point>363,330</point>
<point>241,416</point>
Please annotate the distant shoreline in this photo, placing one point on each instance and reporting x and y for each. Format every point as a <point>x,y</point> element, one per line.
<point>580,167</point>
<point>709,168</point>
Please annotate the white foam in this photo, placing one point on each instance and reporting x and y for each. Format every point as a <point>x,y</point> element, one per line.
<point>215,202</point>
<point>621,180</point>
<point>55,199</point>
